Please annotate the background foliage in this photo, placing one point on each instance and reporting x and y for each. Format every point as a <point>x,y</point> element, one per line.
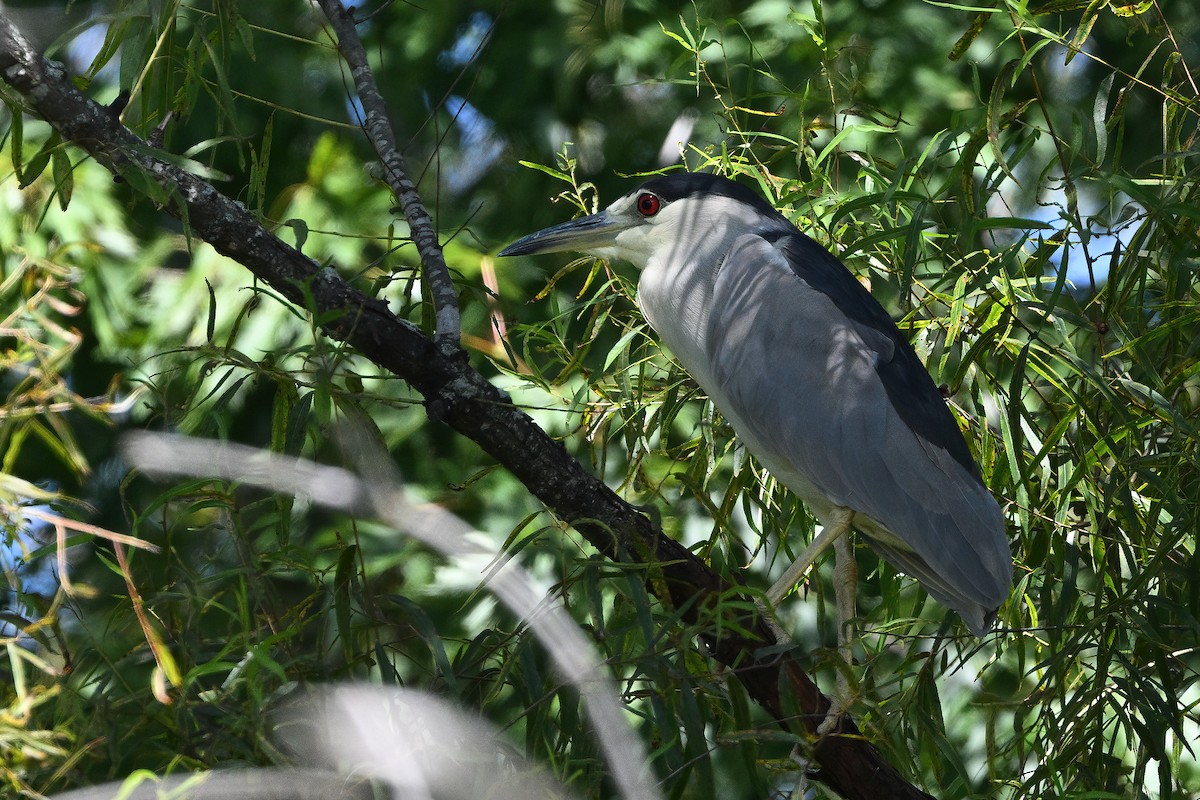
<point>1015,182</point>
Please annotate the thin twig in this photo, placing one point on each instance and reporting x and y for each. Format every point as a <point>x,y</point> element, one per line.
<point>377,126</point>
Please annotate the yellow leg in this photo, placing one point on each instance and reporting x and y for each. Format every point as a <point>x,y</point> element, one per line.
<point>845,581</point>
<point>836,530</point>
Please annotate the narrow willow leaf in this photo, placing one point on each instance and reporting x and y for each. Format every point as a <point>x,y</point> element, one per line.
<point>554,173</point>
<point>345,588</point>
<point>37,165</point>
<point>64,179</point>
<point>1130,9</point>
<point>1090,15</point>
<point>1100,117</point>
<point>969,36</point>
<point>210,327</point>
<point>995,117</point>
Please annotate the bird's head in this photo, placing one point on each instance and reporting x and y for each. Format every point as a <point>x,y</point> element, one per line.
<point>665,217</point>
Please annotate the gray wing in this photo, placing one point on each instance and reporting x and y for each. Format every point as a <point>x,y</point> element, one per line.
<point>839,399</point>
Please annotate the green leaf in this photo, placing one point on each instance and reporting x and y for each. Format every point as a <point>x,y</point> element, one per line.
<point>1084,29</point>
<point>300,230</point>
<point>345,590</point>
<point>996,117</point>
<point>969,36</point>
<point>37,165</point>
<point>554,173</point>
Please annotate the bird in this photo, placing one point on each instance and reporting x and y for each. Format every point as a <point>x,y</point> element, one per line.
<point>812,374</point>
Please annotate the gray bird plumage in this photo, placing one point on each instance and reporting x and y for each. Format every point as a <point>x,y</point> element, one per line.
<point>812,374</point>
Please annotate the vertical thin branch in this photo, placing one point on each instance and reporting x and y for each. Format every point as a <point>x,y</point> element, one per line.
<point>378,128</point>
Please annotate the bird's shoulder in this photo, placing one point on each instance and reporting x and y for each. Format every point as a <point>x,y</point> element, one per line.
<point>825,273</point>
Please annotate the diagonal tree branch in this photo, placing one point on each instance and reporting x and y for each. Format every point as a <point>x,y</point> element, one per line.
<point>735,634</point>
<point>377,126</point>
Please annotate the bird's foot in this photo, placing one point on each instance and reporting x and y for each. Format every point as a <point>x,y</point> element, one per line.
<point>832,717</point>
<point>845,579</point>
<point>838,526</point>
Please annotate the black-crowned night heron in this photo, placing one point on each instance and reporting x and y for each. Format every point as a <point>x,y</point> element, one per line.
<point>812,374</point>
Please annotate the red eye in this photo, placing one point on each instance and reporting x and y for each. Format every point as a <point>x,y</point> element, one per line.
<point>648,204</point>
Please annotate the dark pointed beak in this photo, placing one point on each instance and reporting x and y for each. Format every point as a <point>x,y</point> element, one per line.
<point>580,235</point>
